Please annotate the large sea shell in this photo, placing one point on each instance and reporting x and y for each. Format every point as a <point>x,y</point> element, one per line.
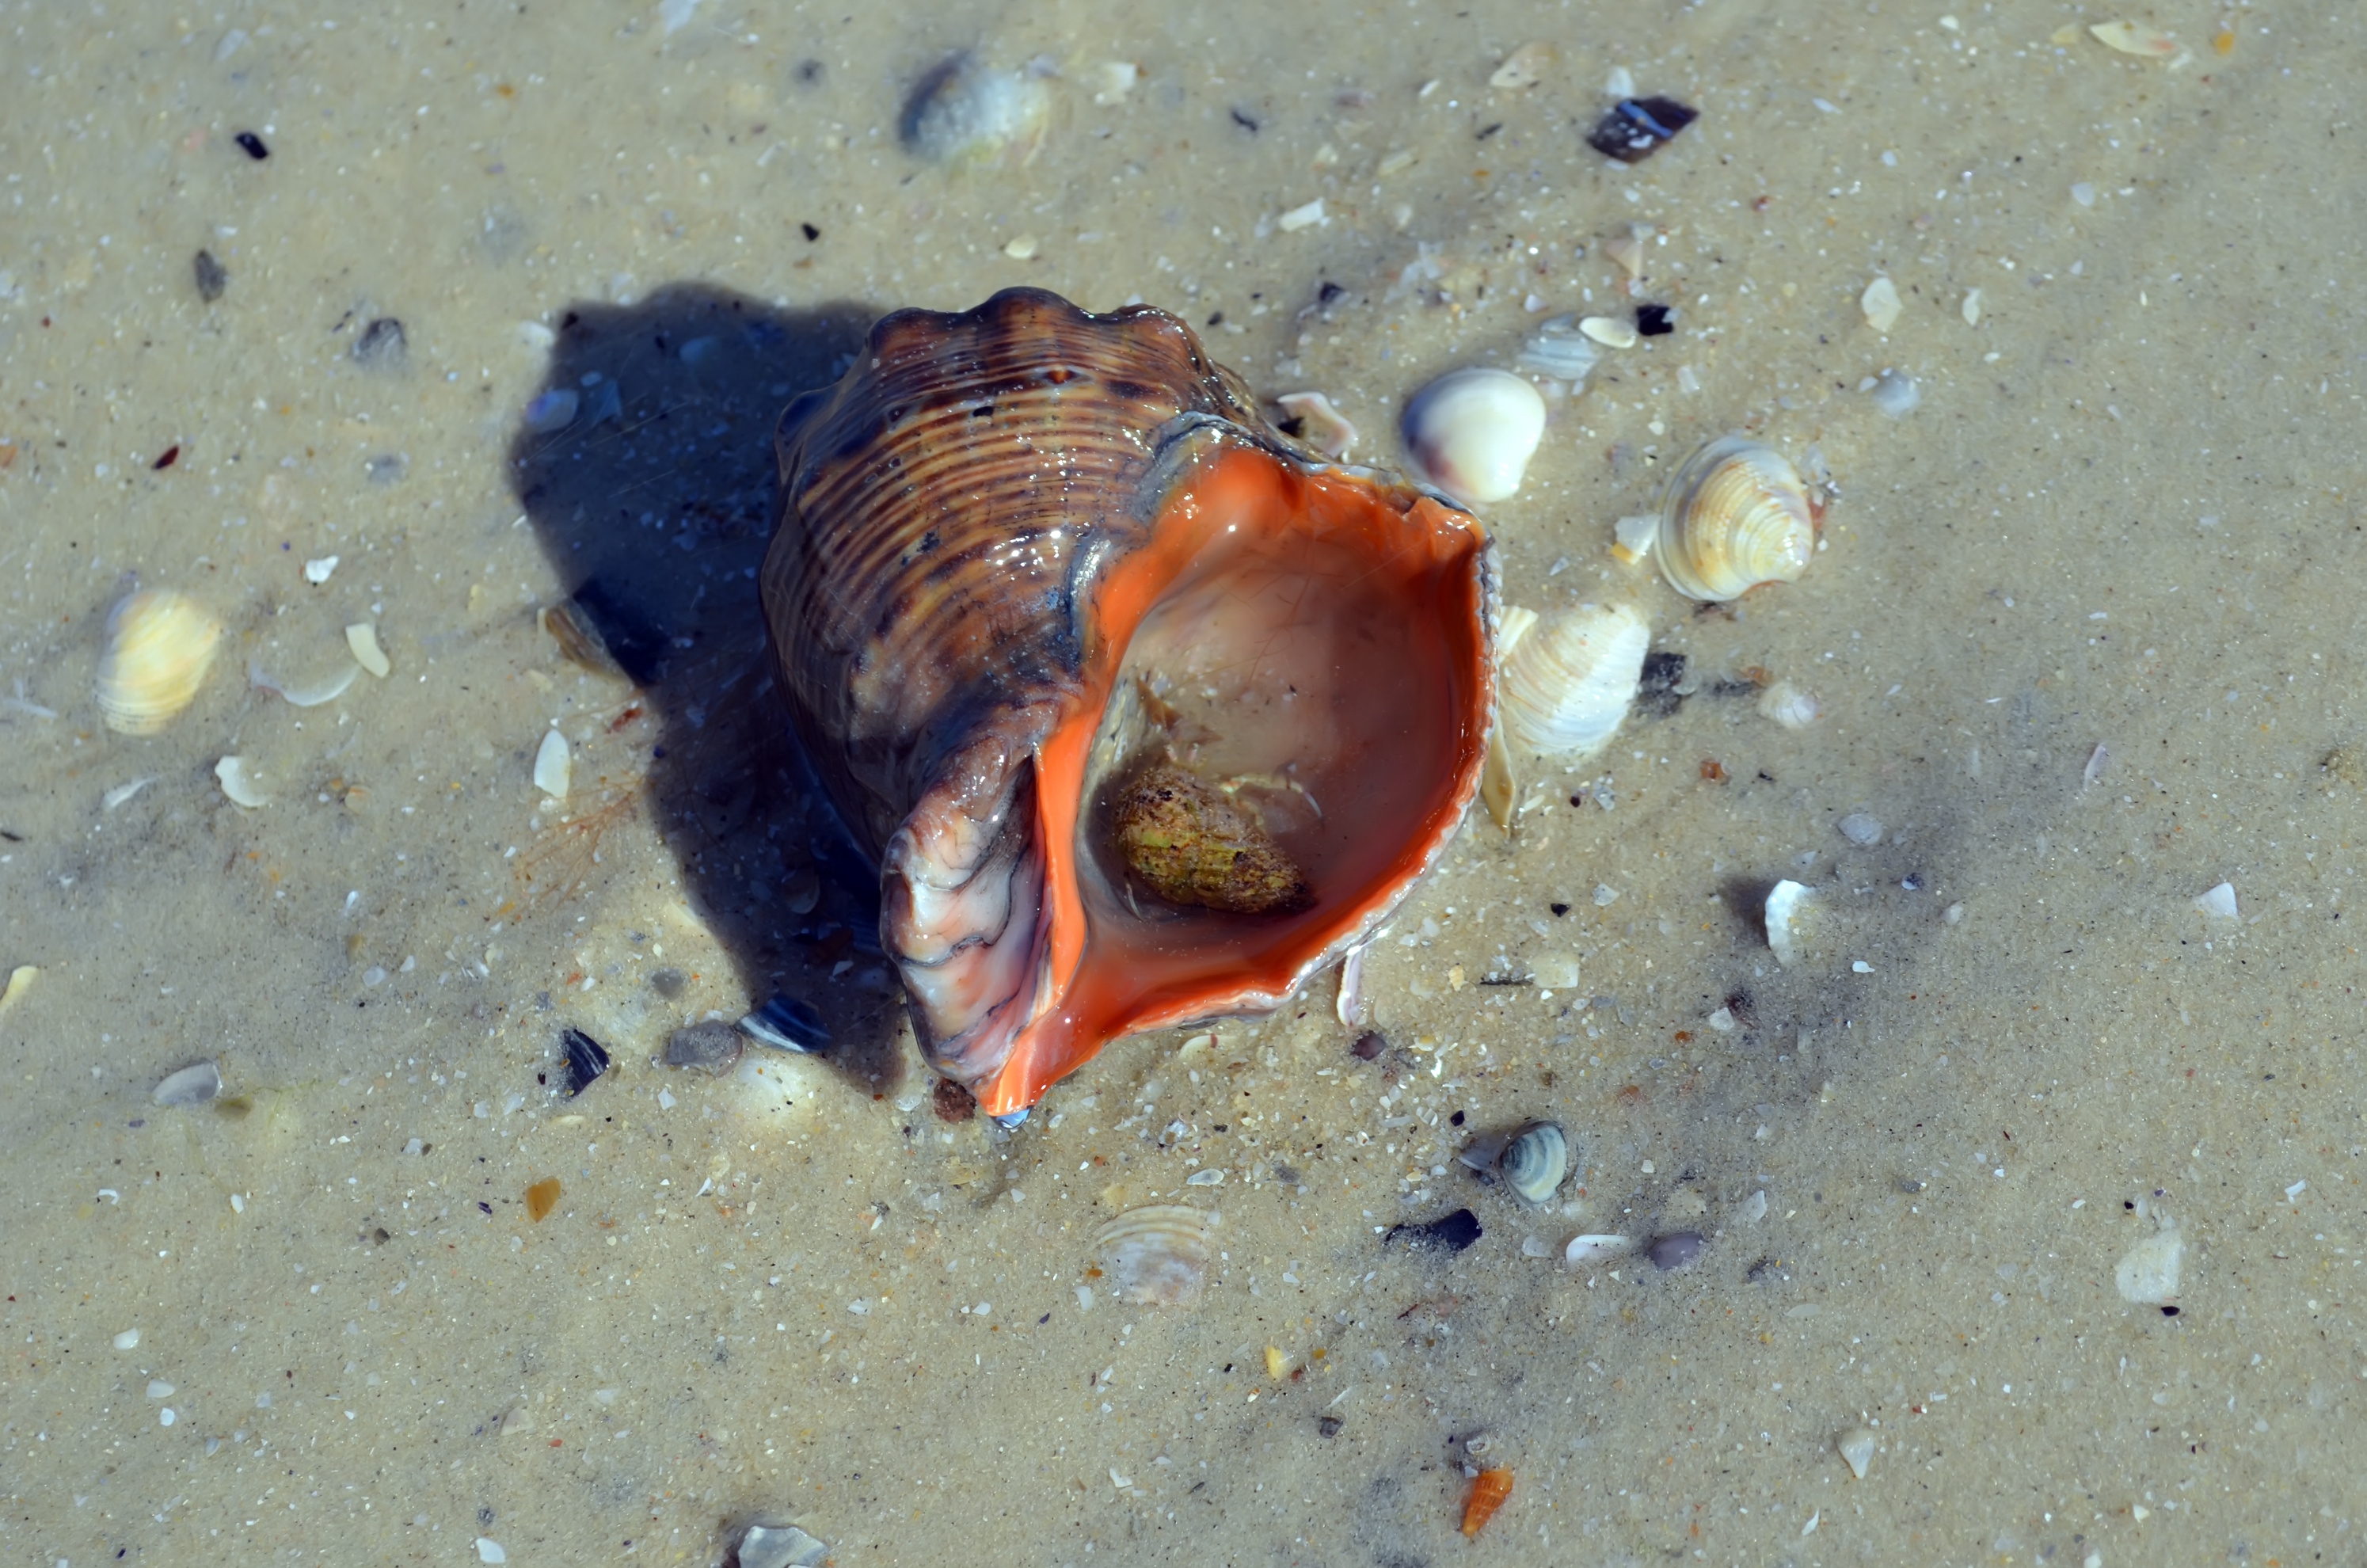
<point>1735,516</point>
<point>1025,547</point>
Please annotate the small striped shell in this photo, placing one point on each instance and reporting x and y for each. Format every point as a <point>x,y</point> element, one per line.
<point>1735,515</point>
<point>160,646</point>
<point>1155,1255</point>
<point>1567,680</point>
<point>1535,1162</point>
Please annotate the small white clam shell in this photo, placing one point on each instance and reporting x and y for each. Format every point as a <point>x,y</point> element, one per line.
<point>159,645</point>
<point>1735,515</point>
<point>1790,915</point>
<point>1158,1255</point>
<point>1473,432</point>
<point>194,1085</point>
<point>1567,682</point>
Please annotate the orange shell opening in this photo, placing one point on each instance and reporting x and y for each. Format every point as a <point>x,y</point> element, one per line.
<point>1345,624</point>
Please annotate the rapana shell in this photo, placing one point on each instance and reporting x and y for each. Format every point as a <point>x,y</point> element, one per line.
<point>1024,551</point>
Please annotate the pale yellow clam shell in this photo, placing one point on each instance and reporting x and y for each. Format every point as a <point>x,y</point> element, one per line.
<point>160,647</point>
<point>1736,514</point>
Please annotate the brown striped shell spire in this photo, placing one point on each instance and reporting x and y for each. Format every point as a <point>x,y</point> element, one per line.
<point>1146,717</point>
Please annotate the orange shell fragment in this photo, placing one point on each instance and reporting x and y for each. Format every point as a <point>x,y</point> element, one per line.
<point>541,1199</point>
<point>1489,1491</point>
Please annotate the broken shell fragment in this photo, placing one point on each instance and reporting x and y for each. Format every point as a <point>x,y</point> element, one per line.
<point>1634,128</point>
<point>1155,1255</point>
<point>1559,349</point>
<point>197,1084</point>
<point>1735,516</point>
<point>785,1023</point>
<point>1321,424</point>
<point>1856,1449</point>
<point>1535,1162</point>
<point>240,784</point>
<point>1881,304</point>
<point>1791,918</point>
<point>553,767</point>
<point>1525,67</point>
<point>1472,433</point>
<point>1566,684</point>
<point>780,1546</point>
<point>362,638</point>
<point>306,694</point>
<point>159,645</point>
<point>1191,844</point>
<point>1596,1248</point>
<point>1612,332</point>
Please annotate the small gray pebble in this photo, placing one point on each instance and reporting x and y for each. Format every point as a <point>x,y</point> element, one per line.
<point>382,345</point>
<point>212,277</point>
<point>1860,828</point>
<point>709,1048</point>
<point>670,982</point>
<point>1677,1250</point>
<point>197,1084</point>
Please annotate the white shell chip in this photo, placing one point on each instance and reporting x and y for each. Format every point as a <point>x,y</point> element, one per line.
<point>238,784</point>
<point>362,638</point>
<point>553,767</point>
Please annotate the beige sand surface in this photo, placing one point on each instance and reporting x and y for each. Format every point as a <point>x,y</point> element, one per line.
<point>2126,512</point>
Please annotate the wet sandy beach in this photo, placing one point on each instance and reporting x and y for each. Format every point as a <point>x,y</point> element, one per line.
<point>315,1318</point>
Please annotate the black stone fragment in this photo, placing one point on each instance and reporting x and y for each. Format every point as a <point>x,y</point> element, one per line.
<point>212,275</point>
<point>1677,1250</point>
<point>787,1024</point>
<point>1370,1045</point>
<point>713,1048</point>
<point>1656,321</point>
<point>1634,128</point>
<point>382,346</point>
<point>1448,1235</point>
<point>1328,1426</point>
<point>1245,121</point>
<point>586,1060</point>
<point>812,232</point>
<point>1656,693</point>
<point>252,144</point>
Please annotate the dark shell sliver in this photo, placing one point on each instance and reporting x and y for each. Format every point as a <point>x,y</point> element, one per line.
<point>1449,1233</point>
<point>1634,128</point>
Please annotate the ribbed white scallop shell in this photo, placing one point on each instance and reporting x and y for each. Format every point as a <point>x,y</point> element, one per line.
<point>1567,682</point>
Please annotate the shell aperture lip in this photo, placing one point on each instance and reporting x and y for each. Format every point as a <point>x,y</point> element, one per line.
<point>1000,521</point>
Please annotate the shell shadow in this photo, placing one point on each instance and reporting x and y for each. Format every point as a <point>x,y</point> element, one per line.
<point>645,464</point>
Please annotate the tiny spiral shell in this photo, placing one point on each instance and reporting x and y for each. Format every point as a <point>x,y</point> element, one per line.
<point>159,645</point>
<point>1489,1490</point>
<point>1568,677</point>
<point>1736,514</point>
